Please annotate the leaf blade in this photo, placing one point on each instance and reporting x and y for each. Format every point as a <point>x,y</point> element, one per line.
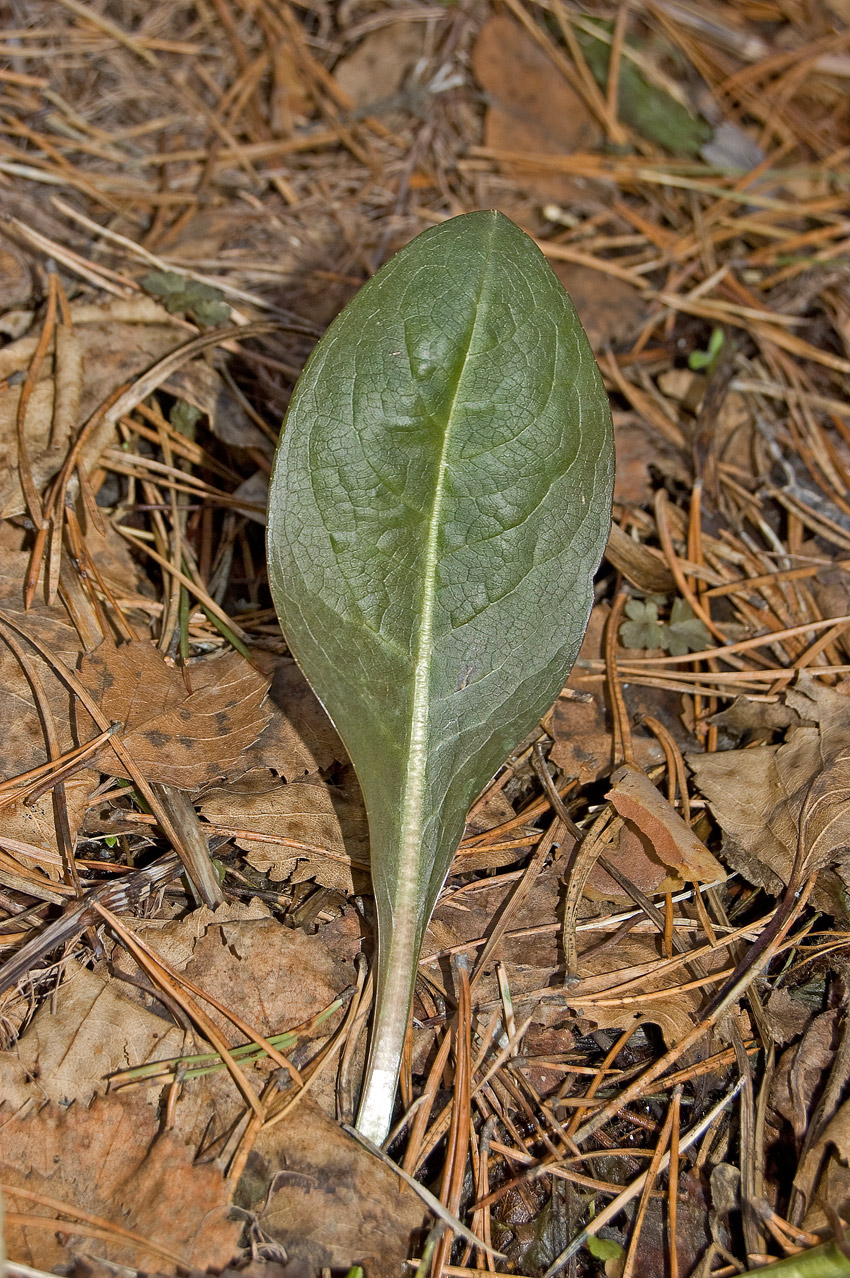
<point>446,464</point>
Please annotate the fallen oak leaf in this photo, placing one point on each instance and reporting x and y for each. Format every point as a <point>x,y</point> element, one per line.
<point>179,735</point>
<point>673,841</point>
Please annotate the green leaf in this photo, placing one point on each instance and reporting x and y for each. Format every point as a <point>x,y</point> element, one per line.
<point>440,500</point>
<point>645,106</point>
<point>203,302</point>
<point>708,358</point>
<point>603,1248</point>
<point>685,632</point>
<point>824,1261</point>
<point>643,629</point>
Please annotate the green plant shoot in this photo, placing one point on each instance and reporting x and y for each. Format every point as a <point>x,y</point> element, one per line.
<point>440,501</point>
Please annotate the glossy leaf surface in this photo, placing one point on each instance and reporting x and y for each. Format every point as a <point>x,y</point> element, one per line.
<point>440,500</point>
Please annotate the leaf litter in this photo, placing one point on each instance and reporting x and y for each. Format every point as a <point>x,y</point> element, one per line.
<point>259,165</point>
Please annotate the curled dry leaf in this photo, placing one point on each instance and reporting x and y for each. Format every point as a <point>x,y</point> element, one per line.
<point>329,820</point>
<point>673,841</point>
<point>181,731</point>
<point>768,798</point>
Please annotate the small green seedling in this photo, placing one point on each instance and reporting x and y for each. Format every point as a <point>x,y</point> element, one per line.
<point>699,360</point>
<point>440,501</point>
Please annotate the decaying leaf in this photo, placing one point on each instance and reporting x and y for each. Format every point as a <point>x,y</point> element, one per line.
<point>181,731</point>
<point>600,999</point>
<point>768,798</point>
<point>327,1200</point>
<point>111,1159</point>
<point>328,821</point>
<point>673,841</point>
<point>91,1028</point>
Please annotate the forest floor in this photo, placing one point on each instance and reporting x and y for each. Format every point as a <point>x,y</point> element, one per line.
<point>190,192</point>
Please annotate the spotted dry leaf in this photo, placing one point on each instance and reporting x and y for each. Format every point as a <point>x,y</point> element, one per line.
<point>182,731</point>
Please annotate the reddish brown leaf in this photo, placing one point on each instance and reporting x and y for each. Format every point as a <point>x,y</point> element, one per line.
<point>635,797</point>
<point>112,1161</point>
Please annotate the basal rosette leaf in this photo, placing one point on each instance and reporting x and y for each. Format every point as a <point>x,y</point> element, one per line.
<point>440,501</point>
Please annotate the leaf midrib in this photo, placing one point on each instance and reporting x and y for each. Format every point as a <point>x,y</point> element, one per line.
<point>410,848</point>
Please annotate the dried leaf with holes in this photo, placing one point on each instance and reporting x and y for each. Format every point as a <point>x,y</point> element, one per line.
<point>185,729</point>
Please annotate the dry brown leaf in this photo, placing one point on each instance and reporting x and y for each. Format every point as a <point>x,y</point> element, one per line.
<point>829,1161</point>
<point>91,1028</point>
<point>670,839</point>
<point>531,107</point>
<point>330,819</point>
<point>113,343</point>
<point>633,853</point>
<point>185,736</point>
<point>580,726</point>
<point>381,64</point>
<point>610,309</point>
<point>327,1200</point>
<point>299,738</point>
<point>24,744</point>
<point>202,386</point>
<point>34,823</point>
<point>799,1074</point>
<point>272,975</point>
<point>111,1159</point>
<point>605,971</point>
<point>640,450</point>
<point>767,797</point>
